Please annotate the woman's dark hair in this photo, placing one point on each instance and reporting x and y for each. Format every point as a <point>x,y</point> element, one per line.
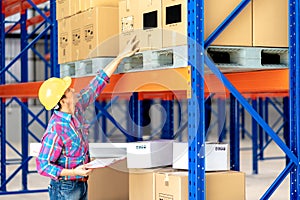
<point>58,107</point>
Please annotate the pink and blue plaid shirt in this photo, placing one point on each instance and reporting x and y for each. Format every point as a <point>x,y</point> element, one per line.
<point>65,142</point>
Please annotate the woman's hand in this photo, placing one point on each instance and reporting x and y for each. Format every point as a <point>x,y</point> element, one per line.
<point>81,171</point>
<point>130,49</point>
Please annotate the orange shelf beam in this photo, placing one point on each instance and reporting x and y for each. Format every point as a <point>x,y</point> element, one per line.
<point>168,83</point>
<point>120,84</point>
<point>146,81</point>
<point>7,3</point>
<point>15,6</point>
<point>29,22</point>
<point>20,90</point>
<point>275,82</point>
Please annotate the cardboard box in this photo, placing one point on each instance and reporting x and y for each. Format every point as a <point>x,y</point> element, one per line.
<point>100,32</point>
<point>226,185</point>
<point>216,156</point>
<point>130,21</point>
<point>75,6</point>
<point>229,185</point>
<point>171,185</point>
<point>63,9</point>
<point>270,23</point>
<point>149,154</point>
<point>96,3</point>
<point>142,183</point>
<point>64,40</point>
<point>109,183</point>
<point>238,33</point>
<point>151,29</point>
<point>174,22</point>
<point>77,37</point>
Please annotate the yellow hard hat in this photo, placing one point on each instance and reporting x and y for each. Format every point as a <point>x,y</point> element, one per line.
<point>52,90</point>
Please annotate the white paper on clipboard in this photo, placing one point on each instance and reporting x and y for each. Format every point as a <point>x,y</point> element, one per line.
<point>103,162</point>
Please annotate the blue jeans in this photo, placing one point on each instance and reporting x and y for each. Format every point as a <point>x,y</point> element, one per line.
<point>67,190</point>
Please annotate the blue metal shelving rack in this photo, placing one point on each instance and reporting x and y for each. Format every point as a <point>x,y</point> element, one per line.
<point>196,162</point>
<point>294,45</point>
<point>196,126</point>
<point>47,27</point>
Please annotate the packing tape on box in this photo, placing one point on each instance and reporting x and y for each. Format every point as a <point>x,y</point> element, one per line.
<point>166,179</point>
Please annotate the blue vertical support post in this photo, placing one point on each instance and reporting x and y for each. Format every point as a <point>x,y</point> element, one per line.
<point>260,129</point>
<point>234,134</point>
<point>294,84</point>
<point>2,101</point>
<point>24,112</point>
<point>286,126</point>
<point>179,119</point>
<point>254,140</point>
<point>221,119</point>
<point>208,113</point>
<point>266,112</point>
<point>242,112</point>
<point>97,125</point>
<point>135,111</point>
<point>103,123</point>
<point>47,47</point>
<point>196,138</point>
<point>145,120</point>
<point>55,71</point>
<point>168,128</point>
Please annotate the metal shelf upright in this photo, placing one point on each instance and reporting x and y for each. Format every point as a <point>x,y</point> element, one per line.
<point>196,136</point>
<point>47,25</point>
<point>294,111</point>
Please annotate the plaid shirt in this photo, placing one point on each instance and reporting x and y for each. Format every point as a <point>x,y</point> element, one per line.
<point>65,142</point>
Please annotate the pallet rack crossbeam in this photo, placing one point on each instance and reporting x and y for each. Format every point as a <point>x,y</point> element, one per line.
<point>33,33</point>
<point>12,27</point>
<point>39,11</point>
<point>278,181</point>
<point>105,107</point>
<point>128,135</point>
<point>32,21</point>
<point>25,50</point>
<point>4,183</point>
<point>40,56</point>
<point>16,7</point>
<point>30,112</point>
<point>248,107</point>
<point>13,148</point>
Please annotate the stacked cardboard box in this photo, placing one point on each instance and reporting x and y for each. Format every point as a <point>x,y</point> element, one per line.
<point>63,9</point>
<point>216,156</point>
<point>149,154</point>
<point>260,23</point>
<point>142,183</point>
<point>64,41</point>
<point>227,185</point>
<point>270,23</point>
<point>165,184</point>
<point>142,19</point>
<point>109,183</point>
<point>88,34</point>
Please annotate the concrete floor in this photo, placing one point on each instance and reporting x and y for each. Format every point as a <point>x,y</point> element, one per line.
<point>256,185</point>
